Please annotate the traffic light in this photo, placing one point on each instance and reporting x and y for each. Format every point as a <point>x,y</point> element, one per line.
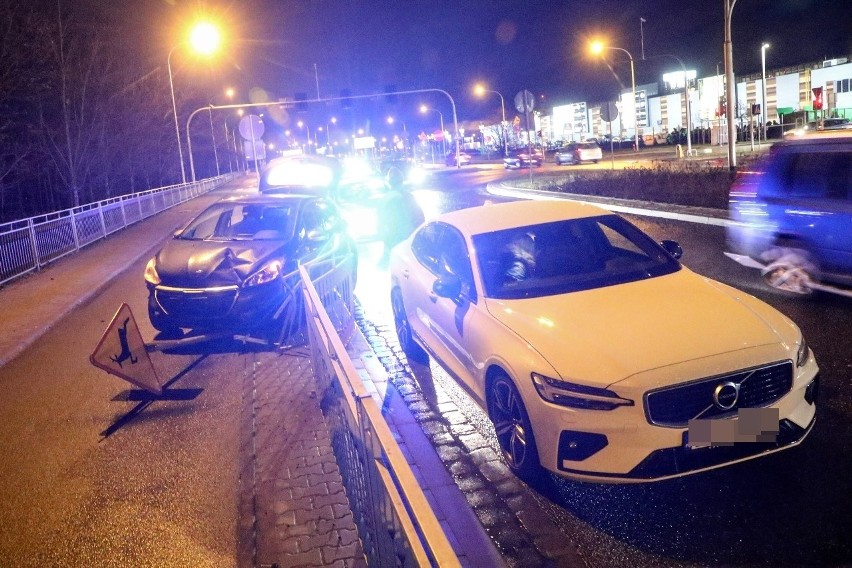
<point>345,101</point>
<point>817,103</point>
<point>723,108</point>
<point>301,102</point>
<point>390,94</point>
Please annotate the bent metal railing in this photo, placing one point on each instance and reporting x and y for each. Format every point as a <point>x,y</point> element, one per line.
<point>29,244</point>
<point>395,521</point>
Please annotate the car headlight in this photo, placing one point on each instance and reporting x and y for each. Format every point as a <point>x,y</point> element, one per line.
<point>151,276</point>
<point>577,396</point>
<point>804,353</point>
<point>268,273</point>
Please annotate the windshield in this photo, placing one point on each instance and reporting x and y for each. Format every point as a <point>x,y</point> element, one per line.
<point>240,221</point>
<point>567,256</point>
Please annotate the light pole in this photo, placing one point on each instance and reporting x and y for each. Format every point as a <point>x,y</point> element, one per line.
<point>204,39</point>
<point>480,90</point>
<point>729,85</point>
<point>688,109</point>
<point>390,121</point>
<point>213,135</point>
<point>301,124</point>
<point>764,109</point>
<point>424,109</point>
<point>597,48</point>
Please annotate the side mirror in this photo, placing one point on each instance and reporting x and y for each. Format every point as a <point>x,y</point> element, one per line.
<point>671,247</point>
<point>447,286</point>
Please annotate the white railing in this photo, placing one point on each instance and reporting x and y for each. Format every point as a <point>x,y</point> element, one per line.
<point>395,521</point>
<point>28,244</point>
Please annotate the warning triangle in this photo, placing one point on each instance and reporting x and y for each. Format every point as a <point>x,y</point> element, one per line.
<point>121,352</point>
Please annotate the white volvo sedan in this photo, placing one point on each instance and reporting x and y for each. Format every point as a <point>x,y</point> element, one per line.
<point>596,354</point>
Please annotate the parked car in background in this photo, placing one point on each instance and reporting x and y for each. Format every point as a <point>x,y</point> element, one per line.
<point>232,267</point>
<point>522,158</point>
<point>791,214</point>
<point>578,152</point>
<point>595,353</point>
<point>464,158</point>
<point>836,124</point>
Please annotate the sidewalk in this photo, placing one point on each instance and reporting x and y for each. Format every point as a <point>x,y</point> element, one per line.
<point>309,521</point>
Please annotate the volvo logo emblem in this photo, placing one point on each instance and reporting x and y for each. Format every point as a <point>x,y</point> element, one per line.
<point>726,395</point>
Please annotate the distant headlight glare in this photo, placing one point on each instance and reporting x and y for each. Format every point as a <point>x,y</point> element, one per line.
<point>151,276</point>
<point>268,273</point>
<point>577,396</point>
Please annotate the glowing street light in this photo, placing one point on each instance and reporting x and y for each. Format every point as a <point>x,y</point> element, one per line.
<point>480,90</point>
<point>203,39</point>
<point>597,48</point>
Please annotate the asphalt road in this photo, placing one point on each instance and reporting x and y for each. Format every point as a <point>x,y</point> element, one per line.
<point>790,509</point>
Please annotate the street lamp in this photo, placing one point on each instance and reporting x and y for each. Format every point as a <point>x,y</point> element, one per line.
<point>390,121</point>
<point>332,120</point>
<point>597,48</point>
<point>480,90</point>
<point>688,109</point>
<point>301,124</point>
<point>765,107</point>
<point>424,109</point>
<point>204,40</point>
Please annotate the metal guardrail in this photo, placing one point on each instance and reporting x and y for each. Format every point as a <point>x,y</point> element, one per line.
<point>395,521</point>
<point>29,244</point>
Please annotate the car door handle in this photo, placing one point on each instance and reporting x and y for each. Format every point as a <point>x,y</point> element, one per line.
<point>405,273</point>
<point>433,296</point>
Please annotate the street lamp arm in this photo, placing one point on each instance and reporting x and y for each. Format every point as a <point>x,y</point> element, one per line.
<point>208,108</point>
<point>633,83</point>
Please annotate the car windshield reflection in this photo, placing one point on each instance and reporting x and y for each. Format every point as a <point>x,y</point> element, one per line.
<point>567,256</point>
<point>237,222</point>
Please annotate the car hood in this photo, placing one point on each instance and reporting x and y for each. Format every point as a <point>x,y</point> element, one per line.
<point>202,264</point>
<point>605,335</point>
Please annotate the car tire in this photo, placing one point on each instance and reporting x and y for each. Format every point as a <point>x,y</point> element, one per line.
<point>403,330</point>
<point>514,430</point>
<point>790,269</point>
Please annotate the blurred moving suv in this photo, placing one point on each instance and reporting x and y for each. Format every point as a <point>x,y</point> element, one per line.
<point>791,215</point>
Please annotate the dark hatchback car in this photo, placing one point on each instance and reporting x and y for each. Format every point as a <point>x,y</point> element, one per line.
<point>522,158</point>
<point>232,267</point>
<point>791,214</point>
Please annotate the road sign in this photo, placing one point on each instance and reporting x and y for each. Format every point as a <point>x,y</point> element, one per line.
<point>121,352</point>
<point>609,112</point>
<point>251,127</point>
<point>256,153</point>
<point>524,101</point>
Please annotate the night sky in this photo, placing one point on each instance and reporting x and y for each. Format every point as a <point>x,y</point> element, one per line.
<point>366,46</point>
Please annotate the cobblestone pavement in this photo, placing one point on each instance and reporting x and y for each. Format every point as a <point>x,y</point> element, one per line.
<point>292,496</point>
<point>506,507</point>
